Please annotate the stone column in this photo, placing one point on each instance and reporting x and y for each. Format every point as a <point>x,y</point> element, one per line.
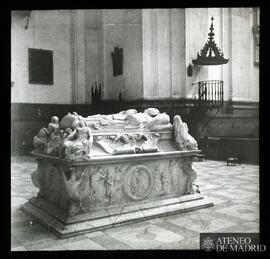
<point>78,56</point>
<point>163,53</point>
<point>178,52</point>
<point>150,52</point>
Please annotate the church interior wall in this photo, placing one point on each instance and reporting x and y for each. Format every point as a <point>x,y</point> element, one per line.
<point>158,46</point>
<point>48,30</point>
<point>123,28</point>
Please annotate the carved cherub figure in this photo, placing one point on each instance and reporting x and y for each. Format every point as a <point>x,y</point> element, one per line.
<point>53,124</point>
<point>54,146</point>
<point>97,187</point>
<point>78,143</point>
<point>40,140</point>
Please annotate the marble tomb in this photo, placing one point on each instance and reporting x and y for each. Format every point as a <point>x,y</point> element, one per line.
<point>101,171</point>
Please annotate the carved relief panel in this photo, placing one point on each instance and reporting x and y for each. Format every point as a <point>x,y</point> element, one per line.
<point>138,182</point>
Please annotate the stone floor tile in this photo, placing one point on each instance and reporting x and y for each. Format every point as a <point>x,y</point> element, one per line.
<point>53,248</point>
<point>14,242</point>
<point>86,244</point>
<point>245,212</point>
<point>40,245</point>
<point>163,235</point>
<point>202,224</point>
<point>111,243</point>
<point>28,235</point>
<point>94,234</point>
<point>190,243</point>
<point>183,231</point>
<point>135,239</point>
<point>18,216</point>
<point>61,242</point>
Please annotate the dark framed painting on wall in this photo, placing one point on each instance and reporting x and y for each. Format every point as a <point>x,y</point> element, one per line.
<point>40,66</point>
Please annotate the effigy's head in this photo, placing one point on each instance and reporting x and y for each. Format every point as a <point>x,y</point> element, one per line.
<point>69,121</point>
<point>152,112</point>
<point>131,112</point>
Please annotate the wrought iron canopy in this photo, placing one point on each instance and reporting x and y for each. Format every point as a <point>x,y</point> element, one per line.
<point>210,54</point>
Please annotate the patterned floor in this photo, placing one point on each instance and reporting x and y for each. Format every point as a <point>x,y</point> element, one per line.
<point>233,189</point>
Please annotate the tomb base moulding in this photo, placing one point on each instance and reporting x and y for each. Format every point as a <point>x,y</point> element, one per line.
<point>114,174</point>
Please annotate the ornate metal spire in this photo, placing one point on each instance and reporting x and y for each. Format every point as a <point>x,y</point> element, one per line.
<point>210,54</point>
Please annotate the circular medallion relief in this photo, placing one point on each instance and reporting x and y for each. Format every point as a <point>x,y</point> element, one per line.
<point>138,182</point>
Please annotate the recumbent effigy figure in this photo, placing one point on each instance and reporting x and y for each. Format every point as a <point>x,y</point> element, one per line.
<point>151,119</point>
<point>72,137</point>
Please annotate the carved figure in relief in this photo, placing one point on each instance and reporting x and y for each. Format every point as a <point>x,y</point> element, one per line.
<point>78,143</point>
<point>183,139</point>
<point>173,175</point>
<point>52,183</point>
<point>97,187</point>
<point>77,187</point>
<point>157,176</point>
<point>118,175</point>
<point>109,184</point>
<point>190,173</point>
<point>164,179</point>
<point>138,186</point>
<point>38,177</point>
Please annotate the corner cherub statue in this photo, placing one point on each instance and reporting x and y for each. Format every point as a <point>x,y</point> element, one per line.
<point>79,142</point>
<point>53,125</point>
<point>55,143</point>
<point>41,140</point>
<point>183,140</point>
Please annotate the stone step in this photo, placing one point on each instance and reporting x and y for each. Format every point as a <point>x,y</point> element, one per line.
<point>62,230</point>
